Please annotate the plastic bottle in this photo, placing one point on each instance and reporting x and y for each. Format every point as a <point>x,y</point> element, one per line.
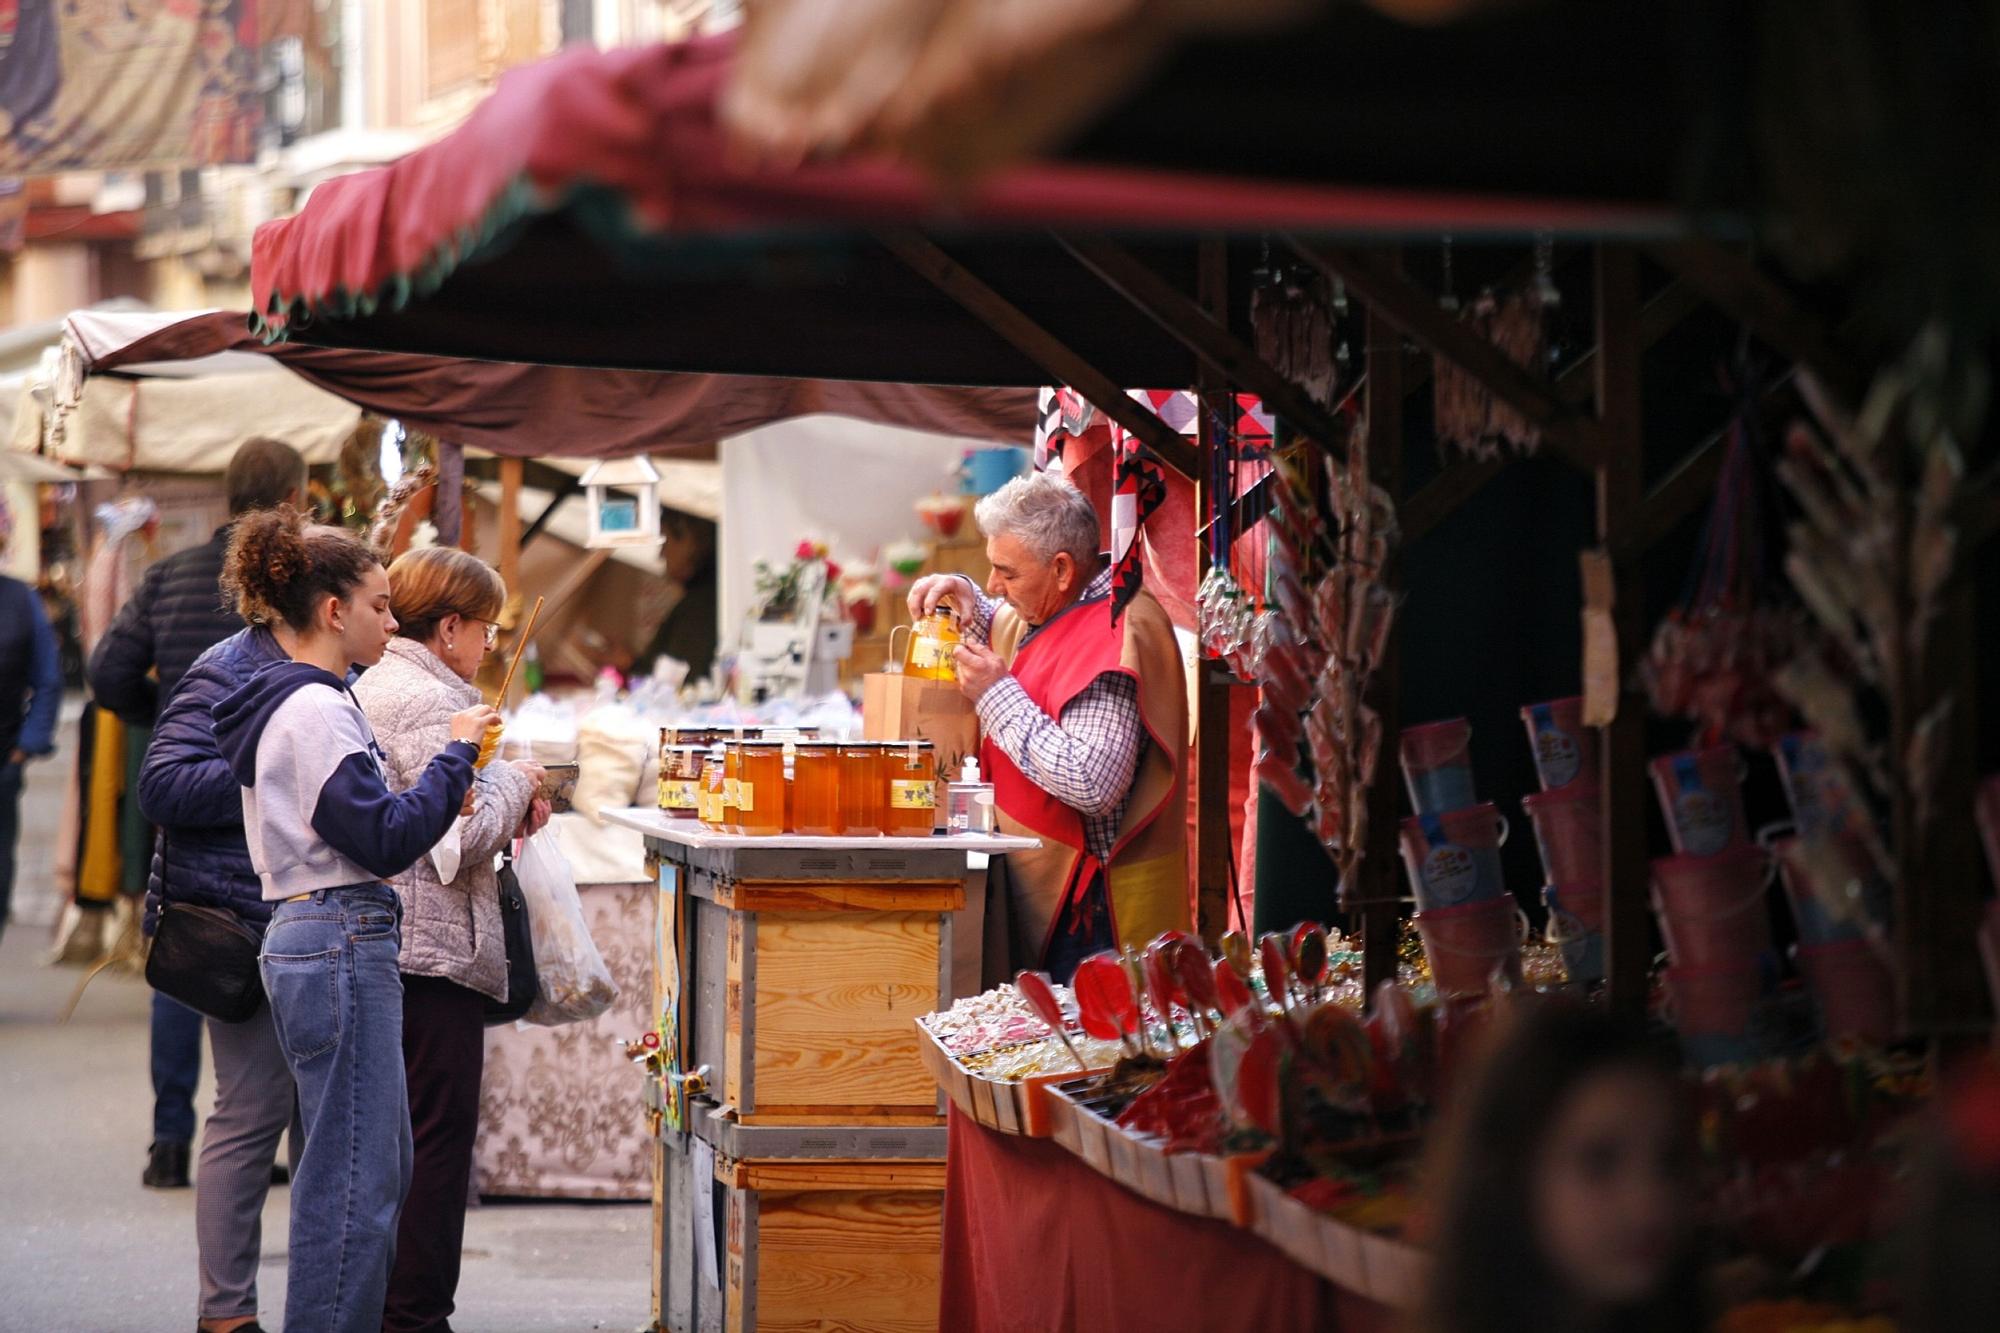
<point>531,668</point>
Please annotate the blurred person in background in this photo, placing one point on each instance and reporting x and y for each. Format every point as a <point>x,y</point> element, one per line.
<point>30,700</point>
<point>1561,1194</point>
<point>454,953</point>
<point>690,629</point>
<point>175,616</point>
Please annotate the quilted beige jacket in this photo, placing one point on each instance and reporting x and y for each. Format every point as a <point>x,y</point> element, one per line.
<point>449,930</point>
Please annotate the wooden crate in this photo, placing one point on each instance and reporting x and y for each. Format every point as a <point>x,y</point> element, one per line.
<point>823,987</point>
<point>844,1220</point>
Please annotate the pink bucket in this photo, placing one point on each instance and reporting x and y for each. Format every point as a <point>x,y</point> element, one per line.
<point>1569,834</point>
<point>1565,751</point>
<point>1454,858</point>
<point>1576,928</point>
<point>1466,945</point>
<point>1701,795</point>
<point>1437,766</point>
<point>1711,908</point>
<point>1854,987</point>
<point>1820,921</point>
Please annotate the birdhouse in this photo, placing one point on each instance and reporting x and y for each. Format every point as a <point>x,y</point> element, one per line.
<point>624,496</point>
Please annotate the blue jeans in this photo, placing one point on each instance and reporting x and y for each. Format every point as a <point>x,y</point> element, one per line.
<point>329,966</point>
<point>176,1069</point>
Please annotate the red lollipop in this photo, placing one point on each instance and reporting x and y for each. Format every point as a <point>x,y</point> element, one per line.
<point>1040,994</point>
<point>1104,998</point>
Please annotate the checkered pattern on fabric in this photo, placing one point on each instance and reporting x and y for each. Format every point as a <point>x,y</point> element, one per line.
<point>1088,758</point>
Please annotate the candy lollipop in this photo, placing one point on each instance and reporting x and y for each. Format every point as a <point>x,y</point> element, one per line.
<point>1309,957</point>
<point>1236,949</point>
<point>1161,985</point>
<point>1040,993</point>
<point>1233,995</point>
<point>1277,970</point>
<point>1104,1000</point>
<point>1197,978</point>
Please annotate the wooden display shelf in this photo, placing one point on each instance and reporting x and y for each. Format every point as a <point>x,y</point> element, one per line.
<point>1200,1184</point>
<point>1021,1107</point>
<point>1386,1269</point>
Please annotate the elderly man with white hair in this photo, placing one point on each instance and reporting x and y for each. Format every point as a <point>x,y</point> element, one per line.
<point>1084,726</point>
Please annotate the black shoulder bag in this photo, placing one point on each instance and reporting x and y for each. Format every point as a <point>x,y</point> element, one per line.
<point>521,982</point>
<point>207,959</point>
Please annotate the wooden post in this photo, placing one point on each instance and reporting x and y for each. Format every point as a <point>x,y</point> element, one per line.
<point>510,525</point>
<point>448,512</point>
<point>1379,891</point>
<point>1213,851</point>
<point>1620,504</point>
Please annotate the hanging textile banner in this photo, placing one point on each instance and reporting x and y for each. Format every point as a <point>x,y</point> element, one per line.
<point>90,85</point>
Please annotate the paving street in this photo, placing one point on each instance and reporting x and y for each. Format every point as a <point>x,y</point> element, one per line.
<point>85,1249</point>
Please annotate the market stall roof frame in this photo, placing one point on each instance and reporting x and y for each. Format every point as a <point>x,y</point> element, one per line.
<point>594,190</point>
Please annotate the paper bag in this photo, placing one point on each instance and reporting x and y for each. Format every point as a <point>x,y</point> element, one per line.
<point>895,707</point>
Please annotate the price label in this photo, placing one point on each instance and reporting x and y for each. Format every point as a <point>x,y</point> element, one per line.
<point>680,794</point>
<point>912,794</point>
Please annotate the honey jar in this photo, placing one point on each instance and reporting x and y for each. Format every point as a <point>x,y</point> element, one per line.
<point>680,779</point>
<point>732,778</point>
<point>863,792</point>
<point>910,779</point>
<point>816,789</point>
<point>933,639</point>
<point>760,788</point>
<point>711,792</point>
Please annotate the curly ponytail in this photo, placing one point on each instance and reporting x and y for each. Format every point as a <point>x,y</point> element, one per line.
<point>278,567</point>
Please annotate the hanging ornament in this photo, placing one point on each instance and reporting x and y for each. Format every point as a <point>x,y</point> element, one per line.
<point>1717,656</point>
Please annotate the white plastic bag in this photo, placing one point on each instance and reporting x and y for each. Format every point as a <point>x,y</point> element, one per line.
<point>572,982</point>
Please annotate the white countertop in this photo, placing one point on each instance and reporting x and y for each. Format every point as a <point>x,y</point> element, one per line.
<point>689,833</point>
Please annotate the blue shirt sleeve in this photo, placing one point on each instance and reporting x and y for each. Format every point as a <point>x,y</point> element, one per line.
<point>38,728</point>
<point>386,832</point>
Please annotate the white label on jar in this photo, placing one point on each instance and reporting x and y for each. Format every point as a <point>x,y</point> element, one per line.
<point>746,797</point>
<point>679,794</point>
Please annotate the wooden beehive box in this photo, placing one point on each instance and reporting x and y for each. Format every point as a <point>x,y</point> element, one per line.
<point>833,1245</point>
<point>809,972</point>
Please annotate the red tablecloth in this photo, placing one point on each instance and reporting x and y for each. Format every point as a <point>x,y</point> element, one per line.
<point>1036,1241</point>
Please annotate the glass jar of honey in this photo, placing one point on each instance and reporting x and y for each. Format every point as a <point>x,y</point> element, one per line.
<point>680,779</point>
<point>816,789</point>
<point>933,639</point>
<point>710,807</point>
<point>863,792</point>
<point>910,777</point>
<point>760,788</point>
<point>732,778</point>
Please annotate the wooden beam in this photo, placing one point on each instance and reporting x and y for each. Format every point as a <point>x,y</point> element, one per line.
<point>1410,309</point>
<point>1207,336</point>
<point>1732,281</point>
<point>510,525</point>
<point>448,510</point>
<point>1213,851</point>
<point>1576,382</point>
<point>573,487</point>
<point>1063,363</point>
<point>1380,888</point>
<point>1622,754</point>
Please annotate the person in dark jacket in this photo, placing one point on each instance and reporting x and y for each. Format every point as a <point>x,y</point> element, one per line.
<point>30,698</point>
<point>201,858</point>
<point>176,615</point>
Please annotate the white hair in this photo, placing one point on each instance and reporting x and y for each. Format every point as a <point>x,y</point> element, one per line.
<point>1046,514</point>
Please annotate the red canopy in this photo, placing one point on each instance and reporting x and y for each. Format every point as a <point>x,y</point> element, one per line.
<point>587,212</point>
<point>538,410</point>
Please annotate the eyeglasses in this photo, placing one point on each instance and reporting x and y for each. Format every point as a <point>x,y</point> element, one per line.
<point>492,628</point>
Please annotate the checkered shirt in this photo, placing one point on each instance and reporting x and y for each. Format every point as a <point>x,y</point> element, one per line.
<point>1088,758</point>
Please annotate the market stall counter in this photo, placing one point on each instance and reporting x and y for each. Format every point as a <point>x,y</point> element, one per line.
<point>793,1105</point>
